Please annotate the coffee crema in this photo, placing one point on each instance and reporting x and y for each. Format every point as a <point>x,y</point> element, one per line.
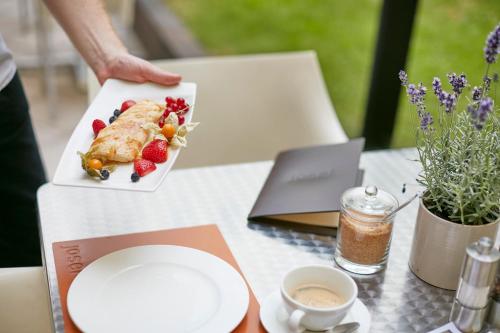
<point>316,296</point>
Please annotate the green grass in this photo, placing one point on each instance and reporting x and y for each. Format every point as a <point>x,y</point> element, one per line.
<point>448,36</point>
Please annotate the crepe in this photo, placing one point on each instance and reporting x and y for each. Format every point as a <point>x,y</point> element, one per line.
<point>122,141</point>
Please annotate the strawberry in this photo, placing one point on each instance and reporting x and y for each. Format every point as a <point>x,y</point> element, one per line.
<point>156,151</point>
<point>97,126</point>
<point>126,105</point>
<point>143,167</point>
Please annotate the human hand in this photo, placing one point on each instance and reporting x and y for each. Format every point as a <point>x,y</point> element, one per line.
<point>127,67</point>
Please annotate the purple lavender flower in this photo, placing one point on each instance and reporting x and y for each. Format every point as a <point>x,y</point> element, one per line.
<point>438,90</point>
<point>449,101</point>
<point>462,82</point>
<point>426,121</point>
<point>487,83</point>
<point>416,93</point>
<point>458,82</point>
<point>476,93</point>
<point>412,91</point>
<point>403,77</point>
<point>492,43</point>
<point>436,86</point>
<point>485,108</point>
<point>480,113</point>
<point>422,90</point>
<point>451,77</point>
<point>442,97</point>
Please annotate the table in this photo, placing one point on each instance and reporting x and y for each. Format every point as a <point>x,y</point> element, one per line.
<point>224,195</point>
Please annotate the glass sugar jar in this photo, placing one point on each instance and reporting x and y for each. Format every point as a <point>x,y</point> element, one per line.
<point>365,229</point>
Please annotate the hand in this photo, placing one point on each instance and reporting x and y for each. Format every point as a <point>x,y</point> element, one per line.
<point>127,67</point>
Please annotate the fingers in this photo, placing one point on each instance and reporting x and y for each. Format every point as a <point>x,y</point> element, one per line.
<point>131,68</point>
<point>157,75</point>
<point>102,76</point>
<point>101,80</point>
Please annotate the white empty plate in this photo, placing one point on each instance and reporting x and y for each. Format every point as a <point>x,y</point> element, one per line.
<point>158,288</point>
<point>69,171</point>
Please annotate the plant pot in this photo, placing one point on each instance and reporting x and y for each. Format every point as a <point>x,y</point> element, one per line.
<point>438,247</point>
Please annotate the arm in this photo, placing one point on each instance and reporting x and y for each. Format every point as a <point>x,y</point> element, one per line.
<point>90,30</point>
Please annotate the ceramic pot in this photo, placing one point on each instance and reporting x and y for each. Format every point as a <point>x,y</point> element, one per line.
<point>439,245</point>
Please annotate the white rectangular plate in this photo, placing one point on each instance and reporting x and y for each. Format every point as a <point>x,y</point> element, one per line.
<point>69,171</point>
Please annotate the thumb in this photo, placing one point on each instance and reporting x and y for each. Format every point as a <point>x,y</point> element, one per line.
<point>157,75</point>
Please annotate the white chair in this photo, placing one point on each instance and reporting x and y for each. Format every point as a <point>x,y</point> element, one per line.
<point>24,301</point>
<point>253,106</point>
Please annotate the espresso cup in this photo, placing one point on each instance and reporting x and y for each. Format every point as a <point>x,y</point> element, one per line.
<point>301,316</point>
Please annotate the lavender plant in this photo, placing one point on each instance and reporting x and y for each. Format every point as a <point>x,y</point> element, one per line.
<point>460,150</point>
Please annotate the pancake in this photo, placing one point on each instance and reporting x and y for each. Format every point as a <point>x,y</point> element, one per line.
<point>122,141</point>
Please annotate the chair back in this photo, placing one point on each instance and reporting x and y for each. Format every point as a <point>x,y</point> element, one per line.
<point>24,300</point>
<point>253,106</point>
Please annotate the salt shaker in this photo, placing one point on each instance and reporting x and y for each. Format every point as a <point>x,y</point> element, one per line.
<point>477,277</point>
<point>365,229</point>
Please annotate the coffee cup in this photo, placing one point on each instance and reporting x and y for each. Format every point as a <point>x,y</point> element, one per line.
<point>317,297</point>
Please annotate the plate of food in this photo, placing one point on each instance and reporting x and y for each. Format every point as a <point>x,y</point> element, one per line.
<point>129,137</point>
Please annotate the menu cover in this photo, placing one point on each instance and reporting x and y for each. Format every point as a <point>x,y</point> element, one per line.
<point>305,186</point>
<point>71,257</point>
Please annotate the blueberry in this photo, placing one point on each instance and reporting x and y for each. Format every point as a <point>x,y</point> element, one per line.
<point>104,174</point>
<point>112,119</point>
<point>135,177</point>
<point>116,112</point>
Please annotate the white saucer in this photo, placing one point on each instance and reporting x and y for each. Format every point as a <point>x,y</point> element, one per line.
<point>274,317</point>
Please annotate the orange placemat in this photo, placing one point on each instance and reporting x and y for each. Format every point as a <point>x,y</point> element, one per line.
<point>72,256</point>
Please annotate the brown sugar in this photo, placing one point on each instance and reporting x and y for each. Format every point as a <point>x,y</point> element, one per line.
<point>364,242</point>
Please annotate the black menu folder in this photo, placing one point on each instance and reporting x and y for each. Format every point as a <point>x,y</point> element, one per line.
<point>305,185</point>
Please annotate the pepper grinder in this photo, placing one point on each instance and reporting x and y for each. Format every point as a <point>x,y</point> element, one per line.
<point>477,277</point>
<point>494,316</point>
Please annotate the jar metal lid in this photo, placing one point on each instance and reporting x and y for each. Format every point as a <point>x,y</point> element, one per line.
<point>369,201</point>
